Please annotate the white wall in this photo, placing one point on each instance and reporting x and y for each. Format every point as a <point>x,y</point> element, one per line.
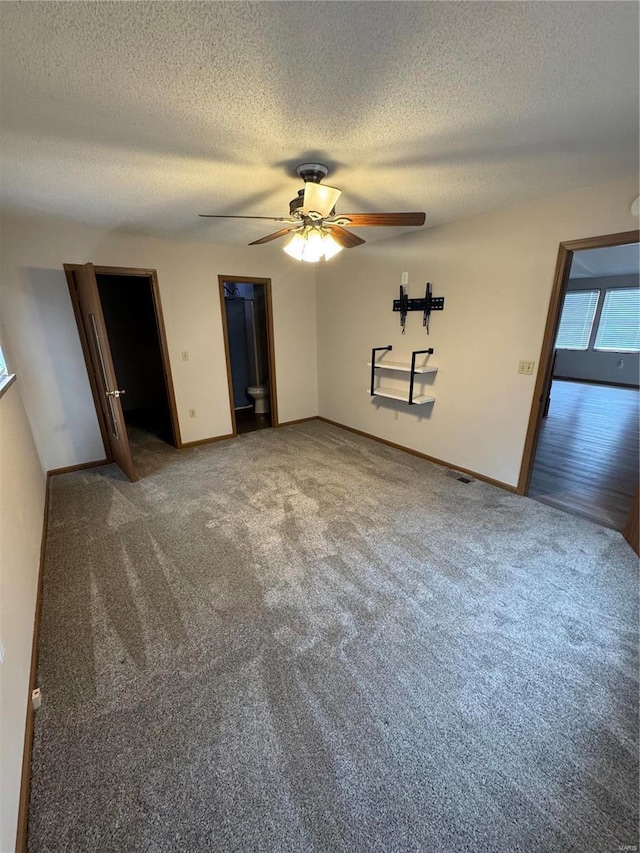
<point>615,367</point>
<point>495,271</point>
<point>44,340</point>
<point>496,274</point>
<point>22,491</point>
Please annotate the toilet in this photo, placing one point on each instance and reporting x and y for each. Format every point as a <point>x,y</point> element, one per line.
<point>260,396</point>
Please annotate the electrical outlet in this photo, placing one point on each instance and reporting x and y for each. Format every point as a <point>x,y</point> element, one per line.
<point>192,413</point>
<point>526,367</point>
<point>405,278</point>
<point>185,355</point>
<point>395,416</point>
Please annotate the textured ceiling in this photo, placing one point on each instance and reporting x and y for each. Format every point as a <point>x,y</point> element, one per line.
<point>141,115</point>
<point>613,260</point>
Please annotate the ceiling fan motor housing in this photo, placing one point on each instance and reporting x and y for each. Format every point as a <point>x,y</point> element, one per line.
<point>296,203</point>
<point>310,173</point>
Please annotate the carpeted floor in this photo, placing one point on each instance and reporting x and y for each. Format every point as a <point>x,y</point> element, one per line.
<point>303,640</point>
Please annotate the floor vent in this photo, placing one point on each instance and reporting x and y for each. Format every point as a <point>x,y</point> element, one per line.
<point>458,475</point>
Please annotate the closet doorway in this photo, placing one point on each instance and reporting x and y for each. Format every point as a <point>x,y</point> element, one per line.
<point>245,305</point>
<point>121,330</point>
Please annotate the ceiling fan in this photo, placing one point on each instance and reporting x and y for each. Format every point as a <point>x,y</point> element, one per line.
<point>317,231</point>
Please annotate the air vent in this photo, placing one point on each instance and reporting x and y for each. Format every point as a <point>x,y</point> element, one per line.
<point>458,475</point>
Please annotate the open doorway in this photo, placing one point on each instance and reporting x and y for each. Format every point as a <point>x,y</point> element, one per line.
<point>248,333</point>
<point>129,315</point>
<point>582,451</point>
<point>121,329</point>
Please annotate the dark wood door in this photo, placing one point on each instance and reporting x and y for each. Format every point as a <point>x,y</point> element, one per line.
<point>548,382</point>
<point>103,369</point>
<point>632,530</point>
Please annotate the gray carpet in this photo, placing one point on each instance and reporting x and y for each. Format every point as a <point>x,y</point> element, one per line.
<point>302,640</point>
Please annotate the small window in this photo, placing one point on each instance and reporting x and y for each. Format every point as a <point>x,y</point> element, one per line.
<point>619,327</point>
<point>576,320</point>
<point>6,378</point>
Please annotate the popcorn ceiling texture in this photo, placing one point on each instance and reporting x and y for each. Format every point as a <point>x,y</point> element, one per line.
<point>141,115</point>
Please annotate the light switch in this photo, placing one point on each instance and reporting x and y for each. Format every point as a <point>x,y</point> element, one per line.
<point>526,367</point>
<point>185,355</point>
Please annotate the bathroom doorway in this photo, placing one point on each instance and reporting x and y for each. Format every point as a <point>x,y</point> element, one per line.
<point>248,335</point>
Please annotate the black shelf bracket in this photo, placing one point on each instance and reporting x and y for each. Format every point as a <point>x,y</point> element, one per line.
<point>413,369</point>
<point>373,365</point>
<point>428,304</point>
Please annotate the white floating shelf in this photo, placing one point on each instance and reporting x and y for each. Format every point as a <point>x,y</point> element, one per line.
<point>400,395</point>
<point>404,366</point>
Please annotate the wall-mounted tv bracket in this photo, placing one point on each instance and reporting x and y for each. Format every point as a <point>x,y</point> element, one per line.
<point>402,305</point>
<point>427,305</point>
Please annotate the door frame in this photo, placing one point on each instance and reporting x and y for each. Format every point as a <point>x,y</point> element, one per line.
<point>563,266</point>
<point>273,392</point>
<point>152,275</point>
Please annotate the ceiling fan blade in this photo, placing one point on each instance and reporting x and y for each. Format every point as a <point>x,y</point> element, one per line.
<point>319,198</point>
<point>273,236</point>
<point>225,216</point>
<point>343,237</point>
<point>360,219</point>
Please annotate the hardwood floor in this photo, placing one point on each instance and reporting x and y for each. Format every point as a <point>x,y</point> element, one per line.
<point>248,421</point>
<point>587,461</point>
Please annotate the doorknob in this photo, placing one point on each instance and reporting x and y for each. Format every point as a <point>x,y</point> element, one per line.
<point>115,393</point>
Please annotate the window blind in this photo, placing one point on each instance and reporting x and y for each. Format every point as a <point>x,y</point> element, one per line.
<point>576,320</point>
<point>619,327</point>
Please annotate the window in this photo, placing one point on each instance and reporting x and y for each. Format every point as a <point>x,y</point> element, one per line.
<point>576,320</point>
<point>619,327</point>
<point>6,378</point>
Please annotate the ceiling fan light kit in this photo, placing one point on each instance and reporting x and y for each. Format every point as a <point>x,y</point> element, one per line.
<point>311,244</point>
<point>317,232</point>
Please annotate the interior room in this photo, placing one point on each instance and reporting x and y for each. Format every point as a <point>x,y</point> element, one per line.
<point>283,345</point>
<point>587,456</point>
